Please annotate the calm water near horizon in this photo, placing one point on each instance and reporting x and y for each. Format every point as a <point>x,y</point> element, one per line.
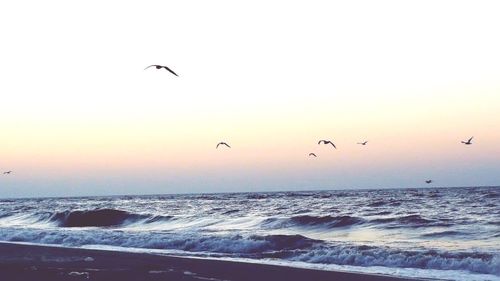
<point>449,233</point>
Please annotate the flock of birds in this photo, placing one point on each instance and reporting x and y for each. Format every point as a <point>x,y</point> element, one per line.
<point>312,154</point>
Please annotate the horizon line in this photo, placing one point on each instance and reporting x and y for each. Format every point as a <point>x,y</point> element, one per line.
<point>247,192</point>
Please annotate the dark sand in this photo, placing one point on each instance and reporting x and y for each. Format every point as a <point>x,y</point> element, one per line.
<point>40,263</point>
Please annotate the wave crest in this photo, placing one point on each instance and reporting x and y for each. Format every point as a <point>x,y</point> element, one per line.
<point>100,218</point>
<point>313,221</point>
<point>409,221</point>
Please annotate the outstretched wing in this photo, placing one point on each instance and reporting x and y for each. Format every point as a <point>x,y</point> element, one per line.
<point>149,66</point>
<point>470,139</point>
<point>319,142</point>
<point>222,143</point>
<point>170,70</point>
<point>333,144</point>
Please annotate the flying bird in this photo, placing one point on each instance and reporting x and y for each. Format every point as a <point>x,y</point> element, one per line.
<point>222,143</point>
<point>327,142</point>
<point>469,142</point>
<point>428,181</point>
<point>162,66</point>
<point>7,173</point>
<point>312,154</point>
<point>363,143</point>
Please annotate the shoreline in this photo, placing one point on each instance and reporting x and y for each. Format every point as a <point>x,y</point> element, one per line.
<point>42,262</point>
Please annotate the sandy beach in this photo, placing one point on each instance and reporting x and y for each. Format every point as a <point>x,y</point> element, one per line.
<point>30,262</point>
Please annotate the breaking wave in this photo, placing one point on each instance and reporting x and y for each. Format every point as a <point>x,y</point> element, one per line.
<point>377,256</point>
<point>97,218</point>
<point>313,221</point>
<point>289,247</point>
<point>409,221</point>
<point>100,218</point>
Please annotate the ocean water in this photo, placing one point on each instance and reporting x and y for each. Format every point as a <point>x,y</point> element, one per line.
<point>444,233</point>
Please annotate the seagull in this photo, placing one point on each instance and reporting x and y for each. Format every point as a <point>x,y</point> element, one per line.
<point>428,181</point>
<point>7,173</point>
<point>469,142</point>
<point>312,154</point>
<point>363,143</point>
<point>222,143</point>
<point>160,67</point>
<point>327,142</point>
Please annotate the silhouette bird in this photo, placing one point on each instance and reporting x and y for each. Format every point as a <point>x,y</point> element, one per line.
<point>428,181</point>
<point>222,143</point>
<point>312,154</point>
<point>160,67</point>
<point>469,142</point>
<point>363,143</point>
<point>7,173</point>
<point>327,142</point>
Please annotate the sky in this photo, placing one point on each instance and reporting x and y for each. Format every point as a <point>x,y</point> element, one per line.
<point>79,115</point>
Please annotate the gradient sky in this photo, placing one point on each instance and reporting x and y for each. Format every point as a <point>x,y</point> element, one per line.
<point>80,116</point>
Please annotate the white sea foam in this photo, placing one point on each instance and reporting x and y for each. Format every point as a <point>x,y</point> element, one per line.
<point>286,247</point>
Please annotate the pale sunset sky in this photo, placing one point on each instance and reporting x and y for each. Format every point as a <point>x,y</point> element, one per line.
<point>79,115</point>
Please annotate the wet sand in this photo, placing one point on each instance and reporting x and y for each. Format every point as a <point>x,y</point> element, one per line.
<point>39,263</point>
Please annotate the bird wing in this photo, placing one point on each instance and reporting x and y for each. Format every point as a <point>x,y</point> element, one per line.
<point>227,145</point>
<point>470,139</point>
<point>333,144</point>
<point>319,142</point>
<point>171,71</point>
<point>149,66</point>
<point>218,145</point>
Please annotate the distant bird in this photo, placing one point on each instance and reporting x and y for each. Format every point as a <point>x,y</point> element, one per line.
<point>428,181</point>
<point>469,142</point>
<point>327,142</point>
<point>7,173</point>
<point>160,67</point>
<point>222,143</point>
<point>312,154</point>
<point>363,143</point>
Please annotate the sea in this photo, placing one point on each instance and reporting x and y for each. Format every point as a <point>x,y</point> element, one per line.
<point>437,233</point>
